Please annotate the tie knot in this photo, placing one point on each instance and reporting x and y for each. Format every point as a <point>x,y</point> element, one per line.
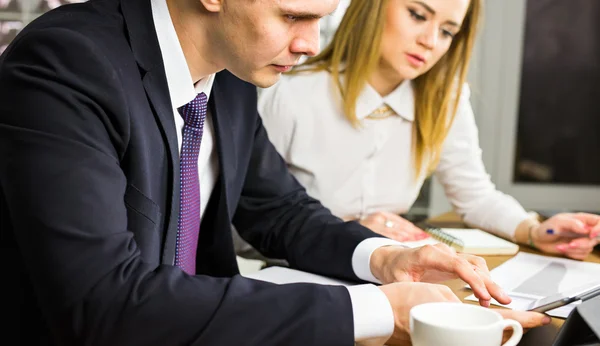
<point>194,112</point>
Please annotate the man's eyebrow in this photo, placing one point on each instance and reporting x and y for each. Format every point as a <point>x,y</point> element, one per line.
<point>432,11</point>
<point>302,14</point>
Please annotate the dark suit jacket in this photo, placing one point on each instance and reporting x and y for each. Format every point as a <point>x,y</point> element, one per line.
<point>89,201</point>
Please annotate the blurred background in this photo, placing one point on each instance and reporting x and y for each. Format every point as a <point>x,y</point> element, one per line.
<point>535,81</point>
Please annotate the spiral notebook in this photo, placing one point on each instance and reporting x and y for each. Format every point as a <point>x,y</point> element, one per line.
<point>468,240</point>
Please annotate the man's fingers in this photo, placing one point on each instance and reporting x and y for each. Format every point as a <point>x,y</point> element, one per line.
<point>448,294</point>
<point>445,249</point>
<point>527,319</point>
<point>471,269</point>
<point>494,289</point>
<point>465,271</point>
<point>476,261</point>
<point>481,269</point>
<point>443,258</point>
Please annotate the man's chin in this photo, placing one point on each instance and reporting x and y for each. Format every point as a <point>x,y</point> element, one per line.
<point>261,78</point>
<point>265,80</point>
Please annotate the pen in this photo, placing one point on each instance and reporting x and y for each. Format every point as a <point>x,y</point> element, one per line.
<point>569,234</point>
<point>590,295</point>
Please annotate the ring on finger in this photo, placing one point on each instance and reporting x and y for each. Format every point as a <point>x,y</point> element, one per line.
<point>389,224</point>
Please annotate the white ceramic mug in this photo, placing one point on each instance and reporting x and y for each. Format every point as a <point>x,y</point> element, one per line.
<point>458,324</point>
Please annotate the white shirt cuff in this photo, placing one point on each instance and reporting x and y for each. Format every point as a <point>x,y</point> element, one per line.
<point>361,258</point>
<point>372,312</point>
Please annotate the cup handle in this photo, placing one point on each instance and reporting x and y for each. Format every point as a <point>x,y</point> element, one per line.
<point>517,331</point>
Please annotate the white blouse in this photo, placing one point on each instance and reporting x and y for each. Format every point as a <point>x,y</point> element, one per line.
<point>357,171</point>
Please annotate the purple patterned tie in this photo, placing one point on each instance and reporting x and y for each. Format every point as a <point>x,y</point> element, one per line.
<point>188,227</point>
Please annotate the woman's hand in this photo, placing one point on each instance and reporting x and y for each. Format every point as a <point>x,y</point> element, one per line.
<point>393,226</point>
<point>571,235</point>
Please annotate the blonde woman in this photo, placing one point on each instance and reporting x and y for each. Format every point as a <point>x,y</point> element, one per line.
<point>364,123</point>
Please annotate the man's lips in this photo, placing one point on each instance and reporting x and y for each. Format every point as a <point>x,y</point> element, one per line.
<point>283,68</point>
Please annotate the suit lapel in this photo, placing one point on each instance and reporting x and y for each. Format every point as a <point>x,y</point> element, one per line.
<point>216,254</point>
<point>145,47</point>
<point>224,140</point>
<point>158,96</point>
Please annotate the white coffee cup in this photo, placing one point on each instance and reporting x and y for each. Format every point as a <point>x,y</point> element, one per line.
<point>458,324</point>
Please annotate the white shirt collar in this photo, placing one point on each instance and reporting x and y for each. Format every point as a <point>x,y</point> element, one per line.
<point>401,100</point>
<point>179,80</point>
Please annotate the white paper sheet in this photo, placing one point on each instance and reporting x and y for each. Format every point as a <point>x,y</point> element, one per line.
<point>528,277</point>
<point>282,275</point>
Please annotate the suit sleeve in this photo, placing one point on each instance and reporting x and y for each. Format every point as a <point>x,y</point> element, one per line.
<point>280,220</point>
<point>63,127</point>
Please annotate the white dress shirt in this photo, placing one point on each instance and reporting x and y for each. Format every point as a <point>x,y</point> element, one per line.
<point>355,172</point>
<point>182,91</point>
<point>373,315</point>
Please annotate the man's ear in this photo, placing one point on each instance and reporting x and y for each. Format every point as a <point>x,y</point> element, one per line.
<point>212,5</point>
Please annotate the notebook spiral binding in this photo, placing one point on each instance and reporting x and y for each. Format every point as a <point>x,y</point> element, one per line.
<point>445,238</point>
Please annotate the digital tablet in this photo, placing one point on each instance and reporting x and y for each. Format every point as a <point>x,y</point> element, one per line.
<point>584,292</point>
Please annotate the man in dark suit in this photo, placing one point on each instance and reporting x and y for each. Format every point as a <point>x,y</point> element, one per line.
<point>125,158</point>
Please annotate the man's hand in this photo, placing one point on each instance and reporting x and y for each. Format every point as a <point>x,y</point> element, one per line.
<point>436,263</point>
<point>405,295</point>
<point>527,319</point>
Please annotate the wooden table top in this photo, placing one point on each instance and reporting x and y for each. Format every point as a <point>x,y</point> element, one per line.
<point>536,337</point>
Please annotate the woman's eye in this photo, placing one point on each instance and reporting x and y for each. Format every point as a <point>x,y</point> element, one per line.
<point>416,16</point>
<point>447,33</point>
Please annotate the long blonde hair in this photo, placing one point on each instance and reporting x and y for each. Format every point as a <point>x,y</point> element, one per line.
<point>355,52</point>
